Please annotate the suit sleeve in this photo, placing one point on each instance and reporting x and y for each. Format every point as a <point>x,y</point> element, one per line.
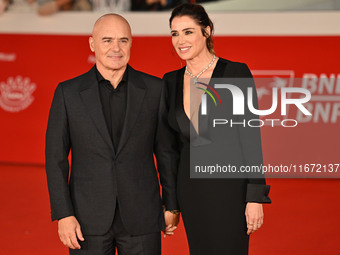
<point>56,158</point>
<point>167,155</point>
<point>250,137</point>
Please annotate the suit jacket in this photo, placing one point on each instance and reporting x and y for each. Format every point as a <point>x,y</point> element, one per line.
<point>237,145</point>
<point>99,176</point>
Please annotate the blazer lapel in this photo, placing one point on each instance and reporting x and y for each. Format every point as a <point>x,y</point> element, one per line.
<point>182,119</point>
<point>204,119</point>
<point>184,123</point>
<point>135,96</point>
<point>90,97</point>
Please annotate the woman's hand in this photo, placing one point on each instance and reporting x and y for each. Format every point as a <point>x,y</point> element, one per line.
<point>254,217</point>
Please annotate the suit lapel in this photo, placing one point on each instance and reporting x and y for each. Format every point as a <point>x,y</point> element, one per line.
<point>204,119</point>
<point>135,96</point>
<point>182,119</point>
<point>184,123</point>
<point>90,97</point>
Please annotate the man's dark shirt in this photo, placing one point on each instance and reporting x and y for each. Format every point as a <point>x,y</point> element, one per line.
<point>114,105</point>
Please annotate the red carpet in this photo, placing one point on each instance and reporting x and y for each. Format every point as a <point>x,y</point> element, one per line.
<point>303,218</point>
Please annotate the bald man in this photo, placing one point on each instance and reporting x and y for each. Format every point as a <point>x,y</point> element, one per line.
<point>113,119</point>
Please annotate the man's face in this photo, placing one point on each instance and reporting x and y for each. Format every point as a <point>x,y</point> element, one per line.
<point>111,42</point>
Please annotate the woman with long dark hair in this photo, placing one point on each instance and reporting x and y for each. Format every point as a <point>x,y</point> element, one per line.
<point>218,214</point>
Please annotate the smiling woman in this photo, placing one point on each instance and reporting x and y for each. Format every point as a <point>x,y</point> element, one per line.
<point>196,23</point>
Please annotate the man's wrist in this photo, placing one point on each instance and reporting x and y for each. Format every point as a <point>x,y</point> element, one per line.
<point>177,212</point>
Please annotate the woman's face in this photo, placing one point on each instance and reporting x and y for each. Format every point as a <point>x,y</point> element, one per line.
<point>187,37</point>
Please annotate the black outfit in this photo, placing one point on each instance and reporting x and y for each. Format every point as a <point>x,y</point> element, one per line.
<point>118,237</point>
<point>114,105</point>
<point>103,176</point>
<point>213,210</point>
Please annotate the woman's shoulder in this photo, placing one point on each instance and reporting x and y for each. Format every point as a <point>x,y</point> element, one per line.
<point>233,68</point>
<point>233,64</point>
<point>169,76</point>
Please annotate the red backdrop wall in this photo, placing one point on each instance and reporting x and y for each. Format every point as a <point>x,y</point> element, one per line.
<point>45,60</point>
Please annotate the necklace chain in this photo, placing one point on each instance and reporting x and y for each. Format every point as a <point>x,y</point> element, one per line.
<point>200,73</point>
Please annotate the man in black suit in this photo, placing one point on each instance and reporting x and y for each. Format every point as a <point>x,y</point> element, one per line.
<point>112,119</point>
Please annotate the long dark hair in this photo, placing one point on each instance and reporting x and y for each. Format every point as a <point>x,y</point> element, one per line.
<point>200,16</point>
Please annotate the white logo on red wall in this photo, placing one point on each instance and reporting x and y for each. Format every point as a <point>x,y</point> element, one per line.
<point>16,94</point>
<point>325,102</point>
<point>325,89</point>
<point>265,81</point>
<point>7,57</point>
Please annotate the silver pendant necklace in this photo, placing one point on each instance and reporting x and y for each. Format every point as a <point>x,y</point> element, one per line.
<point>200,73</point>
